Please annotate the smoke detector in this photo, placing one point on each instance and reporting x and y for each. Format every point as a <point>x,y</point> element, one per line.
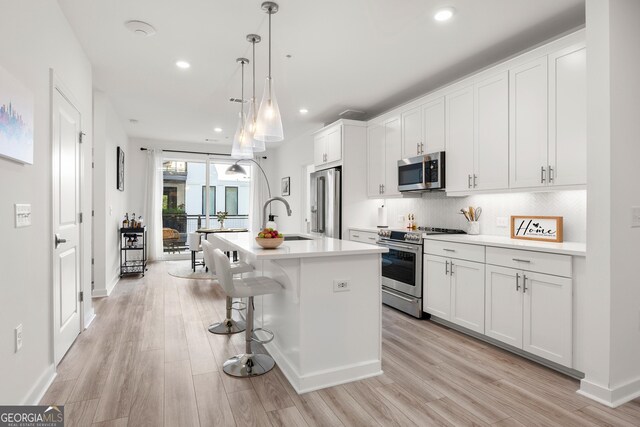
<point>140,28</point>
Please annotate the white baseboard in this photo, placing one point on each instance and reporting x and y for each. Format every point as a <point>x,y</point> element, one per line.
<point>611,397</point>
<point>40,387</point>
<point>91,319</point>
<point>100,293</point>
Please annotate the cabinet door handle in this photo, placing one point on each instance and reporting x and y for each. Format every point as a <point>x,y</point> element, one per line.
<point>517,282</point>
<point>542,172</point>
<point>421,148</point>
<point>382,188</point>
<point>356,235</point>
<point>524,283</point>
<point>448,250</point>
<point>451,268</point>
<point>417,148</point>
<point>446,268</point>
<point>371,238</point>
<point>474,180</point>
<point>469,181</point>
<point>521,260</point>
<point>550,174</point>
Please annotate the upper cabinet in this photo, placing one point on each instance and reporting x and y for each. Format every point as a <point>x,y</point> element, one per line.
<point>383,153</point>
<point>327,146</point>
<point>459,157</point>
<point>423,129</point>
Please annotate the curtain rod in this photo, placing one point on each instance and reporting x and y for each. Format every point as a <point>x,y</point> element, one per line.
<point>195,152</point>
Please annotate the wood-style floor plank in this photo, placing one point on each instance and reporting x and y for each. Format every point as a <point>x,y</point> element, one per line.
<point>148,360</point>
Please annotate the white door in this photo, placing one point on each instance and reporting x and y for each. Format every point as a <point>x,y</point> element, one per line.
<point>375,160</point>
<point>503,309</point>
<point>467,294</point>
<point>491,148</point>
<point>392,153</point>
<point>568,116</point>
<point>459,169</point>
<point>66,225</point>
<point>412,142</point>
<point>434,124</point>
<point>319,149</point>
<point>334,144</point>
<point>528,124</point>
<point>437,287</point>
<point>548,317</point>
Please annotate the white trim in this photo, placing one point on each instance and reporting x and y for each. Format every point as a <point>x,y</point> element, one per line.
<point>99,293</point>
<point>611,397</point>
<point>90,320</point>
<point>35,395</point>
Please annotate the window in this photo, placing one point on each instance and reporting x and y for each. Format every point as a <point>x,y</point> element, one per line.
<point>231,200</point>
<point>170,198</point>
<point>212,200</point>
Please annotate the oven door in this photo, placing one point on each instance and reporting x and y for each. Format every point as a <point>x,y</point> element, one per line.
<point>402,267</point>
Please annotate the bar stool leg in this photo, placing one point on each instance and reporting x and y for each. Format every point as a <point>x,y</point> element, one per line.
<point>228,326</point>
<point>248,364</point>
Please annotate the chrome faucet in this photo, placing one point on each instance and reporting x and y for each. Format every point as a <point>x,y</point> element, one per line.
<point>267,203</point>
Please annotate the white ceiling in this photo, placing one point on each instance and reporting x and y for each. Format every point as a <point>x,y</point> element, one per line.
<point>367,55</point>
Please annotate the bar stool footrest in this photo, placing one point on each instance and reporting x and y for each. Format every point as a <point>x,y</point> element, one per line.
<point>242,305</point>
<point>263,330</point>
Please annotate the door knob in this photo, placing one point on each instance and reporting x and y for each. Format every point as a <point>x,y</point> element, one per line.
<point>58,241</point>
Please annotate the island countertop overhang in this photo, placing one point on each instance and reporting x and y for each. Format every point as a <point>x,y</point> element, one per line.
<point>317,247</point>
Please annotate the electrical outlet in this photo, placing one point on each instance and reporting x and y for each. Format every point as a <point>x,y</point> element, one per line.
<point>635,216</point>
<point>502,222</point>
<point>18,337</point>
<point>23,215</point>
<point>400,219</point>
<point>341,286</point>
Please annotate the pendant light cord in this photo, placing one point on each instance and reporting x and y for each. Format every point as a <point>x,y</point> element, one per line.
<point>242,96</point>
<point>253,103</point>
<point>270,13</point>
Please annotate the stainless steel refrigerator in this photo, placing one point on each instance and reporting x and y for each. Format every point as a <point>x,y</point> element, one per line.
<point>326,202</point>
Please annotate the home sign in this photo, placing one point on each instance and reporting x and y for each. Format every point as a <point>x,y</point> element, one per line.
<point>542,228</point>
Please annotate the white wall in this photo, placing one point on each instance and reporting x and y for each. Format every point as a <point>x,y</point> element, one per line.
<point>613,287</point>
<point>109,203</point>
<point>35,36</point>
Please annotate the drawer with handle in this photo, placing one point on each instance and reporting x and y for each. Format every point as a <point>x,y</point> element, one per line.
<point>454,250</point>
<point>541,262</point>
<point>363,236</point>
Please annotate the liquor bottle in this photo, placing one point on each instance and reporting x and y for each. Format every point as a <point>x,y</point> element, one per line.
<point>132,223</point>
<point>125,223</point>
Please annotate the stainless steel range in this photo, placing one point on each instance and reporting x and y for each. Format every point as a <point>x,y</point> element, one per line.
<point>402,267</point>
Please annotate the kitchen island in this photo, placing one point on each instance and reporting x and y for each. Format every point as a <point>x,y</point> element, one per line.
<point>327,319</point>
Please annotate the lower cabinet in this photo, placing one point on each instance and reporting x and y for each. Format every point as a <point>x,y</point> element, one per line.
<point>531,311</point>
<point>454,291</point>
<point>363,236</point>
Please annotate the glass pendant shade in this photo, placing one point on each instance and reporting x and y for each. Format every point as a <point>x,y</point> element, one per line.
<point>250,128</point>
<point>241,148</point>
<point>269,122</point>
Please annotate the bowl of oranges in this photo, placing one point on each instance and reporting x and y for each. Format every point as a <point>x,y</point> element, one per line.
<point>269,238</point>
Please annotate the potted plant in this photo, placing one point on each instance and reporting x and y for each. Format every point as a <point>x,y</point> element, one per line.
<point>222,215</point>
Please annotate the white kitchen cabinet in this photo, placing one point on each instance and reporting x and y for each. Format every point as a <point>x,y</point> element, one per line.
<point>467,294</point>
<point>375,160</point>
<point>423,129</point>
<point>530,311</point>
<point>491,139</point>
<point>568,116</point>
<point>547,323</point>
<point>454,291</point>
<point>528,124</point>
<point>361,236</point>
<point>327,146</point>
<point>384,149</point>
<point>437,287</point>
<point>459,136</point>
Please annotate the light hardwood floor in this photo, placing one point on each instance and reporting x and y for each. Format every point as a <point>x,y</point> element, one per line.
<point>148,360</point>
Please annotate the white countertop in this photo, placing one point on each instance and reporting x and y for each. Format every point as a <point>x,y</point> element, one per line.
<point>318,247</point>
<point>566,248</point>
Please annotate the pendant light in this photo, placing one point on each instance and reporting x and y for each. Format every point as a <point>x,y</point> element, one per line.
<point>241,148</point>
<point>269,123</point>
<point>250,128</point>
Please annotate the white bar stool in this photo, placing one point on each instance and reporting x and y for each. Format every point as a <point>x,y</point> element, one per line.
<point>228,326</point>
<point>247,364</point>
<point>193,241</point>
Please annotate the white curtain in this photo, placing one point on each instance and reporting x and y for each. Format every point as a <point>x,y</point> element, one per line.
<point>153,204</point>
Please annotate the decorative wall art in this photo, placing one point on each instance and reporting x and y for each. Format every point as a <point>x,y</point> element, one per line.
<point>16,119</point>
<point>120,171</point>
<point>542,228</point>
<point>286,186</point>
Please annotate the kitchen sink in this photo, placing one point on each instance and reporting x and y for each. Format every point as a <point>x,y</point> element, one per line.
<point>296,238</point>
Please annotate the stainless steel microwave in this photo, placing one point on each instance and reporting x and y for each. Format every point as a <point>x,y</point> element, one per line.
<point>421,173</point>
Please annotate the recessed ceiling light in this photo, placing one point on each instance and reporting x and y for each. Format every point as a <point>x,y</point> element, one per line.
<point>444,14</point>
<point>183,64</point>
<point>303,111</point>
<point>140,28</point>
<point>218,130</point>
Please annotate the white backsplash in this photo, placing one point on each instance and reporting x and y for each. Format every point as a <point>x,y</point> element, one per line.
<point>437,210</point>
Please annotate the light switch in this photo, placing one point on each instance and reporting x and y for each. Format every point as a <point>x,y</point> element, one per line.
<point>635,216</point>
<point>502,221</point>
<point>23,215</point>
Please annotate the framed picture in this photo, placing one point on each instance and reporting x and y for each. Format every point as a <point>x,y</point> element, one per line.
<point>16,119</point>
<point>286,186</point>
<point>120,171</point>
<point>541,228</point>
